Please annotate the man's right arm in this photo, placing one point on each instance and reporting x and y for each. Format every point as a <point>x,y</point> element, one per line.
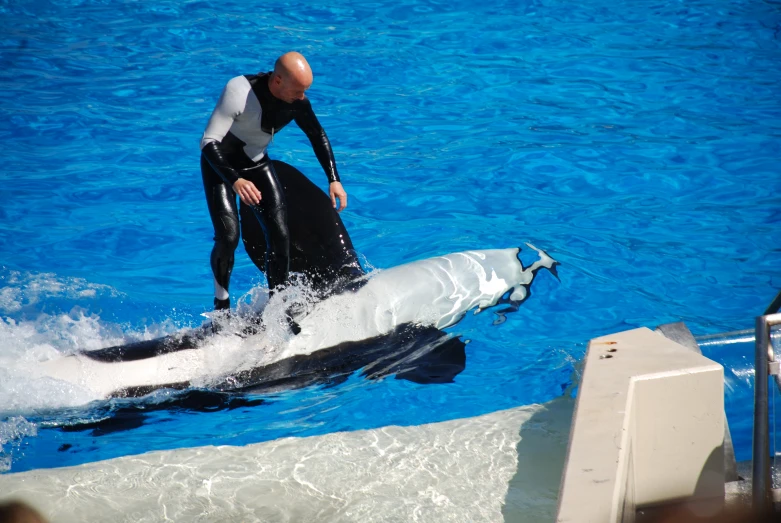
<point>230,105</point>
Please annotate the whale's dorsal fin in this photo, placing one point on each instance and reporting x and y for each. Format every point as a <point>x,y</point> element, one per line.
<point>320,246</point>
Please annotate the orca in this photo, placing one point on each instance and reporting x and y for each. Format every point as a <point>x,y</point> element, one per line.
<point>388,322</point>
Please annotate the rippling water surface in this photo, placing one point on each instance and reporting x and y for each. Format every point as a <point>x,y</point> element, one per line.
<point>637,143</point>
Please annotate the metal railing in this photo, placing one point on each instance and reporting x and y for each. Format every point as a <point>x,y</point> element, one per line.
<point>766,365</point>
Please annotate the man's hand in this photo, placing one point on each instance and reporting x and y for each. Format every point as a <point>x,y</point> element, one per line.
<point>335,190</point>
<point>247,191</point>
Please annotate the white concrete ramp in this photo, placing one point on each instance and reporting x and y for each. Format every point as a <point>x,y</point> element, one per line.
<point>452,471</point>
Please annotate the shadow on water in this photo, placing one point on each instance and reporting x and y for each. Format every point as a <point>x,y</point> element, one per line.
<point>133,414</point>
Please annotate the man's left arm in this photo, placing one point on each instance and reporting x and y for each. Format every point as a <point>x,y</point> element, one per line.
<point>307,122</point>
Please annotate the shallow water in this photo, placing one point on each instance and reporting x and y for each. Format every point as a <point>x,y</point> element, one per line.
<point>452,471</point>
<point>636,143</point>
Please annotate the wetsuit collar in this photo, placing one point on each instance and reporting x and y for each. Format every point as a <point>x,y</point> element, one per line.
<point>265,80</point>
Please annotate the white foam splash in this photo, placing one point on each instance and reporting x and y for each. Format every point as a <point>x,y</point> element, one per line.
<point>22,289</point>
<point>35,337</point>
<point>12,431</point>
<point>27,343</point>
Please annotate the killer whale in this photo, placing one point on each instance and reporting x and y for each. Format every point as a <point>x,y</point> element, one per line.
<point>386,323</point>
<point>393,320</point>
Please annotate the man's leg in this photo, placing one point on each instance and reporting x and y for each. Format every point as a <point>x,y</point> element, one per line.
<point>225,218</point>
<point>253,236</point>
<point>271,213</point>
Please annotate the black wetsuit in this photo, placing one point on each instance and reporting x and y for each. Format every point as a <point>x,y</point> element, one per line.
<point>234,146</point>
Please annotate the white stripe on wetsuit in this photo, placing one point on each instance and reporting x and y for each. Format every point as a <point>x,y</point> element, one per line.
<point>239,112</point>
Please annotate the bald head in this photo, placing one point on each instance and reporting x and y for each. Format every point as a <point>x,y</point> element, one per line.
<point>293,65</point>
<point>292,77</point>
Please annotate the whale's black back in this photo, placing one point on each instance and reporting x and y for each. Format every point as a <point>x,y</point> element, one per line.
<point>320,246</point>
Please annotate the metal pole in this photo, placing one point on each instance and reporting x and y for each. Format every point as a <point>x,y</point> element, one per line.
<point>761,444</point>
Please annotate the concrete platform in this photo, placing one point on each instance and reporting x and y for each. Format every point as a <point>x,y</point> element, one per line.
<point>501,466</point>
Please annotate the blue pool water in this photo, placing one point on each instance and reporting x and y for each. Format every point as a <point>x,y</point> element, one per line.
<point>637,143</point>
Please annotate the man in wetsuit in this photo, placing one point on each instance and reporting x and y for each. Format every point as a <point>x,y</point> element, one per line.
<point>251,109</point>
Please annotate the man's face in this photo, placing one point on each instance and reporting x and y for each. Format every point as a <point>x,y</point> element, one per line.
<point>289,89</point>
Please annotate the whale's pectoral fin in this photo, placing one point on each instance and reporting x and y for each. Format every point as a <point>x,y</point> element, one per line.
<point>440,365</point>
